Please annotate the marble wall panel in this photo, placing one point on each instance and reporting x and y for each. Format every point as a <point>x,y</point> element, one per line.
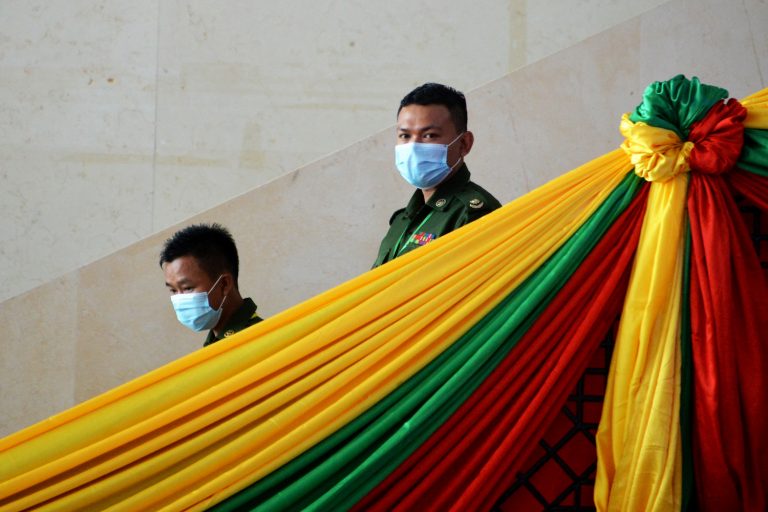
<point>232,95</point>
<point>535,126</point>
<point>671,42</point>
<point>557,24</point>
<point>38,367</point>
<point>757,13</point>
<point>76,134</point>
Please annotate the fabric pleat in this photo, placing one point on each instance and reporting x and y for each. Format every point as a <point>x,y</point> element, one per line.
<point>729,324</point>
<point>638,440</point>
<point>751,186</point>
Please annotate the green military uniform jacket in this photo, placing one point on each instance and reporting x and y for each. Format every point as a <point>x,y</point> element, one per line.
<point>457,201</point>
<point>244,317</point>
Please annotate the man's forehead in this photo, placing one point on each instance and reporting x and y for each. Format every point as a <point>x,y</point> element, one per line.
<point>184,266</point>
<point>424,117</point>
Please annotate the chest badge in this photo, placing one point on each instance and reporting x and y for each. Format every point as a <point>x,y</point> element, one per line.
<point>475,203</point>
<point>423,238</point>
<point>440,203</point>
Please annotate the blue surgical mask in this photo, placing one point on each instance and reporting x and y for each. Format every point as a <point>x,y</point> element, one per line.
<point>424,165</point>
<point>194,311</point>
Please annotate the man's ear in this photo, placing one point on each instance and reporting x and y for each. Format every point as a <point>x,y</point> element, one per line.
<point>227,283</point>
<point>467,139</point>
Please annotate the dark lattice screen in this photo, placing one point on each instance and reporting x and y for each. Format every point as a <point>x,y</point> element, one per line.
<point>560,474</point>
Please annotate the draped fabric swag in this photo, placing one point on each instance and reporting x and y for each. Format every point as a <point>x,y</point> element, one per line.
<point>424,384</point>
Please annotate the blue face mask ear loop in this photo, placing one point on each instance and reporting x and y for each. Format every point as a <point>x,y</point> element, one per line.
<point>209,294</point>
<point>461,158</point>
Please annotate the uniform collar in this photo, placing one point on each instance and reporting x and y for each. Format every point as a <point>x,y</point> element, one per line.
<point>442,197</point>
<point>239,321</point>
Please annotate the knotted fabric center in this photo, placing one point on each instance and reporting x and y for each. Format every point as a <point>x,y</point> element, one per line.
<point>657,154</point>
<point>713,146</point>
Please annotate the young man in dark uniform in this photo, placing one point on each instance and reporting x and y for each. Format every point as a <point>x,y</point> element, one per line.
<point>200,265</point>
<point>432,141</point>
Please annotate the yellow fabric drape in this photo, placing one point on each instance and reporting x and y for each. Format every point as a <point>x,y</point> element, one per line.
<point>656,153</point>
<point>198,430</point>
<point>638,440</point>
<point>757,110</point>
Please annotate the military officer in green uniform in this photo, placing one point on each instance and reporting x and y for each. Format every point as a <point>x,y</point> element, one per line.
<point>432,141</point>
<point>200,265</point>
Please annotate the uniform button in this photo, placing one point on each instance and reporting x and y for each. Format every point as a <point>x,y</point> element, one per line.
<point>475,203</point>
<point>440,203</point>
<point>229,333</point>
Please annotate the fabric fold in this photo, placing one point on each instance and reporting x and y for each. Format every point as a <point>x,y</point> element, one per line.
<point>729,331</point>
<point>638,440</point>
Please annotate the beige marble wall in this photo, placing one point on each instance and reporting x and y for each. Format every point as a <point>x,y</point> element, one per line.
<point>77,89</point>
<point>118,119</point>
<point>304,231</point>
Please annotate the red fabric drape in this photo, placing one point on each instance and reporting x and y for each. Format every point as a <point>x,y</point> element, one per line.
<point>729,338</point>
<point>752,186</point>
<point>472,459</point>
<point>718,138</point>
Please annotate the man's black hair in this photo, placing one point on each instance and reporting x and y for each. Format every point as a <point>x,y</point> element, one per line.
<point>211,245</point>
<point>439,94</point>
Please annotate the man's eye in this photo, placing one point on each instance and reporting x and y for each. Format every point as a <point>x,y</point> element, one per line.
<point>403,136</point>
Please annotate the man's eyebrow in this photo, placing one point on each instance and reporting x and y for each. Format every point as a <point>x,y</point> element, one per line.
<point>181,281</point>
<point>419,129</point>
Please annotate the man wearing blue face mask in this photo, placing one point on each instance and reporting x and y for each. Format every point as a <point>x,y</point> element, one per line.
<point>200,265</point>
<point>432,141</point>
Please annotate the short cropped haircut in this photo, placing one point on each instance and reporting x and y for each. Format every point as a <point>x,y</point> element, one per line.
<point>438,94</point>
<point>211,245</point>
